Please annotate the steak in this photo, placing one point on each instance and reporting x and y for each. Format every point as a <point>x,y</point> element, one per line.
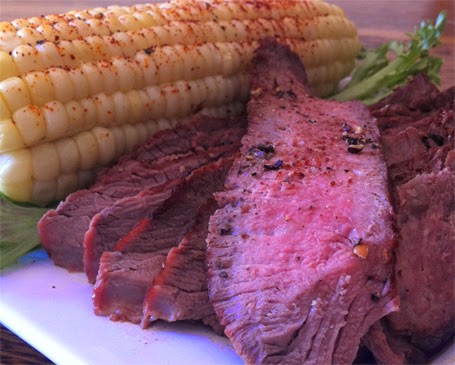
<point>425,257</point>
<point>419,151</point>
<point>179,291</point>
<point>299,251</point>
<point>154,219</point>
<point>124,277</point>
<point>410,102</point>
<point>163,157</point>
<point>122,282</point>
<point>419,138</point>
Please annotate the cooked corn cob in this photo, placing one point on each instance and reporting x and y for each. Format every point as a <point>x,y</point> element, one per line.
<point>76,86</point>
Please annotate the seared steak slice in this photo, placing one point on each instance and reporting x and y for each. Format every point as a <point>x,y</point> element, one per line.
<point>299,252</point>
<point>410,105</point>
<point>415,99</point>
<point>425,259</point>
<point>122,282</point>
<point>154,219</point>
<point>419,151</point>
<point>62,231</point>
<point>151,165</point>
<point>424,273</point>
<point>179,291</point>
<point>130,174</point>
<point>417,142</point>
<point>197,135</point>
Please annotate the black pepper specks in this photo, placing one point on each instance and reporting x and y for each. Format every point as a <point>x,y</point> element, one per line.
<point>374,298</point>
<point>355,148</point>
<point>279,93</point>
<point>226,231</point>
<point>425,142</point>
<point>439,140</point>
<point>351,140</point>
<point>223,275</point>
<point>267,148</point>
<point>357,142</point>
<point>347,128</point>
<point>275,166</point>
<point>291,94</point>
<point>355,145</point>
<point>262,151</point>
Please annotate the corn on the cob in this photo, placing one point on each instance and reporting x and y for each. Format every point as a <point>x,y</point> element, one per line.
<point>79,89</point>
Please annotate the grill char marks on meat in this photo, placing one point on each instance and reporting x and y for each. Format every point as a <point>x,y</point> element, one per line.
<point>122,282</point>
<point>419,149</point>
<point>154,219</point>
<point>179,291</point>
<point>299,255</point>
<point>164,157</point>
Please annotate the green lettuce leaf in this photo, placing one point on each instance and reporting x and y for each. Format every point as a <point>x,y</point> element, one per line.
<point>18,233</point>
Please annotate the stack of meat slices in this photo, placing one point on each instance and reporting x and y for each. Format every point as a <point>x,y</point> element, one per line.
<point>417,126</point>
<point>179,291</point>
<point>295,256</point>
<point>139,209</point>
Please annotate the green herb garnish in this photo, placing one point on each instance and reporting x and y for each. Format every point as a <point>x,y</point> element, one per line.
<point>395,63</point>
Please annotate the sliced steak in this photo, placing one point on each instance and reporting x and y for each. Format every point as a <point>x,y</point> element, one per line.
<point>122,282</point>
<point>385,351</point>
<point>154,219</point>
<point>419,151</point>
<point>62,230</point>
<point>124,277</point>
<point>424,273</point>
<point>410,102</point>
<point>416,143</point>
<point>199,133</point>
<point>179,291</point>
<point>299,252</point>
<point>425,259</point>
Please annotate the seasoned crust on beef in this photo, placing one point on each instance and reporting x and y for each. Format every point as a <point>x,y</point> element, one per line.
<point>289,275</point>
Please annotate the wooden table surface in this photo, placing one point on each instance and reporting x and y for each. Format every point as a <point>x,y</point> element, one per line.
<point>377,21</point>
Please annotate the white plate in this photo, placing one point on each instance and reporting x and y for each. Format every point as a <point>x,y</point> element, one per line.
<point>51,309</point>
